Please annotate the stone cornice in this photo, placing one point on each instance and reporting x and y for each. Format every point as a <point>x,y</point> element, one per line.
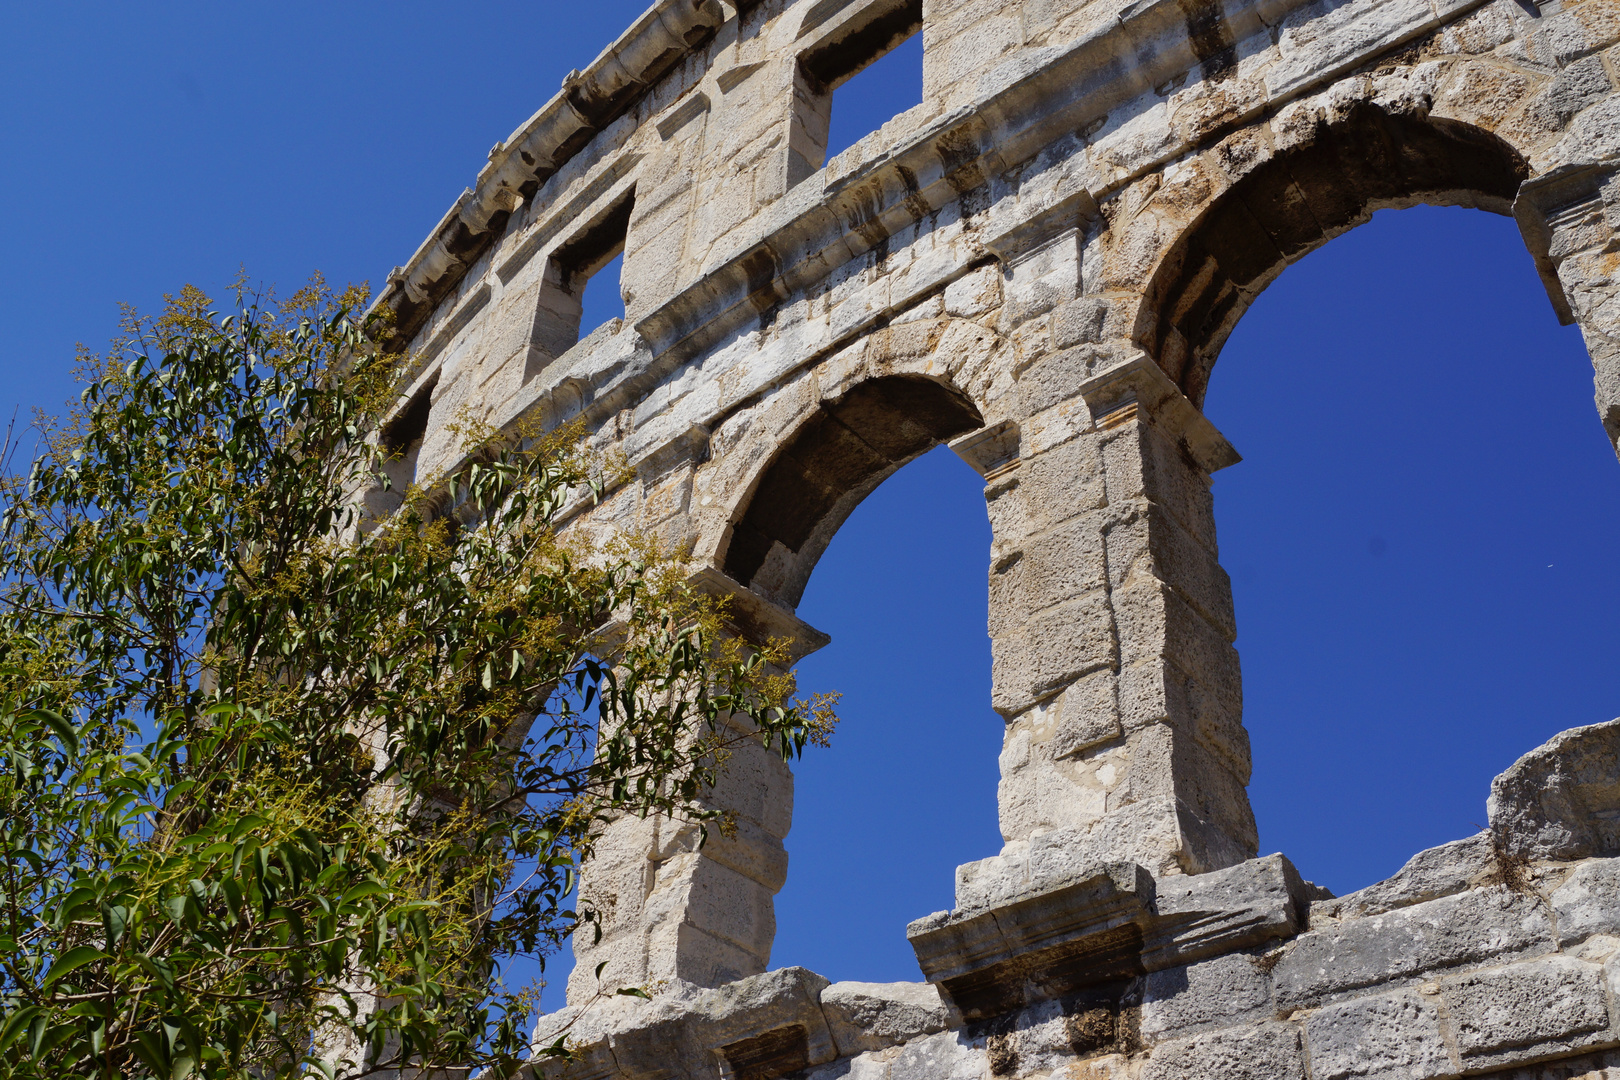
<point>1026,105</point>
<point>1039,98</point>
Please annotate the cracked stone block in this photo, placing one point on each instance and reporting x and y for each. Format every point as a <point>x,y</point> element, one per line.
<point>1469,928</point>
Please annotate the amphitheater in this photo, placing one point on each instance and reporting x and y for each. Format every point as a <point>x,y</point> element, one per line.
<point>1037,266</point>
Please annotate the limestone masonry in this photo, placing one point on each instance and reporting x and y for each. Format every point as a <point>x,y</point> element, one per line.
<point>1038,266</point>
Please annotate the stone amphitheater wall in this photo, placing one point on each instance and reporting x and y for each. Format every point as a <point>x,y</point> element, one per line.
<point>1037,266</point>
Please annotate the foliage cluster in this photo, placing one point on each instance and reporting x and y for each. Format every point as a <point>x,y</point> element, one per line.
<point>284,783</point>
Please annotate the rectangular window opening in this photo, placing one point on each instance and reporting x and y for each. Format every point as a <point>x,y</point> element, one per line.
<point>401,439</point>
<point>581,290</point>
<point>853,84</point>
<point>601,301</point>
<point>407,429</point>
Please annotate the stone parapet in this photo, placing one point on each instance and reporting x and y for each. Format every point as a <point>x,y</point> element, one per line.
<point>1460,965</point>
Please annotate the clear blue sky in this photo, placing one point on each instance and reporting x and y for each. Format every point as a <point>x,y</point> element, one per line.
<point>1421,536</point>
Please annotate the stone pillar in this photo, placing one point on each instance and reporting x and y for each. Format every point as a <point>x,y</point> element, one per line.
<point>671,909</point>
<point>1570,219</point>
<point>1112,630</point>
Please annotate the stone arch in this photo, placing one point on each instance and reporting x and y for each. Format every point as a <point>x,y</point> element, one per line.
<point>790,464</point>
<point>960,361</point>
<point>1290,204</point>
<point>834,458</point>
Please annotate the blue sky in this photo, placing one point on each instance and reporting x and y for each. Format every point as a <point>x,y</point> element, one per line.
<point>1420,537</point>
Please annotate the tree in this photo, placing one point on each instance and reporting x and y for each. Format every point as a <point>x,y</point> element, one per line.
<point>282,787</point>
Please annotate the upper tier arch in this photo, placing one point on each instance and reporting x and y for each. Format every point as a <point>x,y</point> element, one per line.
<point>837,457</point>
<point>1292,203</point>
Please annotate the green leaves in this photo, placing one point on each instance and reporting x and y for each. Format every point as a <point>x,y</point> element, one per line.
<point>58,727</point>
<point>115,920</point>
<point>71,961</point>
<point>270,755</point>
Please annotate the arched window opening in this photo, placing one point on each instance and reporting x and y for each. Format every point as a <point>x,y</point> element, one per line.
<point>834,461</point>
<point>1293,203</point>
<point>1420,537</point>
<point>908,790</point>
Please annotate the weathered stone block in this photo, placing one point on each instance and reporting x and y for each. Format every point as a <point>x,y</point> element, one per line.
<point>721,901</point>
<point>1548,1001</point>
<point>1037,792</point>
<point>1588,902</point>
<point>1085,715</point>
<point>1063,481</point>
<point>1577,86</point>
<point>1218,992</point>
<point>1262,1052</point>
<point>751,852</point>
<point>1168,762</point>
<point>681,950</point>
<point>1048,1037</point>
<point>1202,914</point>
<point>1156,544</point>
<point>1079,322</point>
<point>1154,621</point>
<point>759,786</point>
<point>1063,927</point>
<point>1090,931</point>
<point>768,1025</point>
<point>949,1055</point>
<point>1562,799</point>
<point>1053,649</point>
<point>974,294</point>
<point>1483,924</point>
<point>1058,564</point>
<point>1155,832</point>
<point>1141,462</point>
<point>873,1016</point>
<point>1056,377</point>
<point>1391,1036</point>
<point>1324,36</point>
<point>1441,871</point>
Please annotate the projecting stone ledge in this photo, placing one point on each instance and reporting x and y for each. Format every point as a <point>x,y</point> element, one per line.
<point>1103,925</point>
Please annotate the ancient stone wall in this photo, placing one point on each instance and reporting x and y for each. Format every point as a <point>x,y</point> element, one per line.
<point>1037,266</point>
